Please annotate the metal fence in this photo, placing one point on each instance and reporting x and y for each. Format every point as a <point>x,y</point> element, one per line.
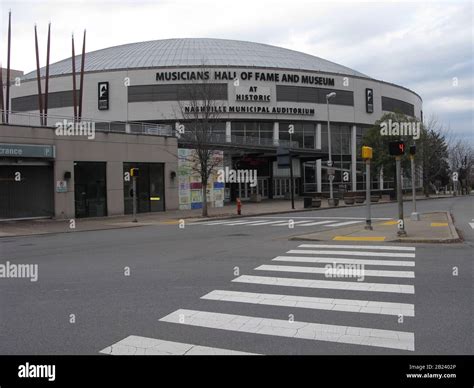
<point>33,120</point>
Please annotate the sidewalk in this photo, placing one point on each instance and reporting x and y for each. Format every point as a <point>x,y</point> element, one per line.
<point>46,226</point>
<point>436,227</point>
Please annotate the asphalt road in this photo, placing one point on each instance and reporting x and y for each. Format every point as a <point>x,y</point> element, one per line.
<point>84,274</point>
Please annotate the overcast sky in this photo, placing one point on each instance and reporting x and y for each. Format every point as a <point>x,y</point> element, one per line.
<point>424,46</point>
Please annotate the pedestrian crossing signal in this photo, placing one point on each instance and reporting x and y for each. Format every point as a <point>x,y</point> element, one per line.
<point>396,148</point>
<point>134,172</point>
<point>366,152</point>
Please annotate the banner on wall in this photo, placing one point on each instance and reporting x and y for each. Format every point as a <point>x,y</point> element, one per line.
<point>190,185</point>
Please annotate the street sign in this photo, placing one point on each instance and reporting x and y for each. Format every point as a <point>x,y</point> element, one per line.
<point>27,151</point>
<point>331,171</point>
<point>345,176</point>
<point>283,157</point>
<point>329,163</point>
<point>61,187</point>
<point>455,176</point>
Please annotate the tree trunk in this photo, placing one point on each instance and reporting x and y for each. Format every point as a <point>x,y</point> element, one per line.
<point>204,199</point>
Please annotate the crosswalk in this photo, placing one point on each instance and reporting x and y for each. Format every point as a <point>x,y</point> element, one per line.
<point>335,281</point>
<point>290,222</point>
<point>471,224</point>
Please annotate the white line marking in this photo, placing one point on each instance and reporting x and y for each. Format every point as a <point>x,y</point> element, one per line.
<point>471,224</point>
<point>333,271</point>
<point>317,223</point>
<point>325,218</point>
<point>288,223</point>
<point>222,222</point>
<point>302,330</point>
<point>378,247</point>
<point>343,223</point>
<point>136,345</point>
<point>307,259</point>
<point>245,222</point>
<point>350,253</point>
<point>265,223</point>
<point>347,305</point>
<point>327,284</point>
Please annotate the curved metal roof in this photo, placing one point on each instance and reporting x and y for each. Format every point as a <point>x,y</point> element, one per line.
<point>196,52</point>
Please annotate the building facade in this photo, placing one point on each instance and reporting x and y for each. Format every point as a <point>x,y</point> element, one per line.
<point>268,97</point>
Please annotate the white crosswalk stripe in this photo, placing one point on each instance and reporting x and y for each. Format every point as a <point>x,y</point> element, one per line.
<point>286,221</point>
<point>338,260</point>
<point>347,294</point>
<point>471,224</point>
<point>317,223</point>
<point>328,284</point>
<point>371,247</point>
<point>350,253</point>
<point>302,330</point>
<point>343,223</point>
<point>135,345</point>
<point>332,271</point>
<point>308,302</point>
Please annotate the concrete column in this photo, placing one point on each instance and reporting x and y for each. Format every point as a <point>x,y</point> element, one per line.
<point>115,199</point>
<point>276,133</point>
<point>381,178</point>
<point>228,132</point>
<point>354,157</point>
<point>318,136</point>
<point>176,129</point>
<point>319,185</point>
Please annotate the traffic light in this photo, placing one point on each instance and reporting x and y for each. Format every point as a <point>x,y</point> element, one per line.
<point>134,172</point>
<point>412,150</point>
<point>396,148</point>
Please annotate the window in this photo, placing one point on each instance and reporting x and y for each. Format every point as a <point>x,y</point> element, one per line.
<point>394,105</point>
<point>266,130</point>
<point>309,131</point>
<point>313,95</point>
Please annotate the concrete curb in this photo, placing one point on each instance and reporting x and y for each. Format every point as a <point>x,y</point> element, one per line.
<point>223,217</point>
<point>455,238</point>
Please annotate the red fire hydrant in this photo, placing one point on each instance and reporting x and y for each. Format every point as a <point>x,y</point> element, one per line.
<point>239,206</point>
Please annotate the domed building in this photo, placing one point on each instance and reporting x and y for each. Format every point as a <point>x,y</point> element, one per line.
<point>269,98</point>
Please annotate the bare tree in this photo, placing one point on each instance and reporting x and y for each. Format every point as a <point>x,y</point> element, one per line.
<point>461,160</point>
<point>199,112</point>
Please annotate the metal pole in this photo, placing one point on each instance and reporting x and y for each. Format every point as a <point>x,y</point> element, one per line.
<point>368,221</point>
<point>74,93</point>
<point>38,76</point>
<point>81,82</point>
<point>134,190</point>
<point>2,106</point>
<point>414,215</point>
<point>401,222</point>
<point>7,102</point>
<point>292,184</point>
<point>329,151</point>
<point>46,87</point>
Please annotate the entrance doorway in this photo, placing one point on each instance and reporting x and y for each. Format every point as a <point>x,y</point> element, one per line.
<point>90,189</point>
<point>26,191</point>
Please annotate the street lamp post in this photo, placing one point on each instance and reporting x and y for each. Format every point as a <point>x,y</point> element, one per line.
<point>331,176</point>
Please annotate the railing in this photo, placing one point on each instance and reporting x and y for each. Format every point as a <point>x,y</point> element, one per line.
<point>221,138</point>
<point>33,120</point>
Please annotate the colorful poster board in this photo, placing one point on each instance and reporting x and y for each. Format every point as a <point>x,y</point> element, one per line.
<point>190,185</point>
